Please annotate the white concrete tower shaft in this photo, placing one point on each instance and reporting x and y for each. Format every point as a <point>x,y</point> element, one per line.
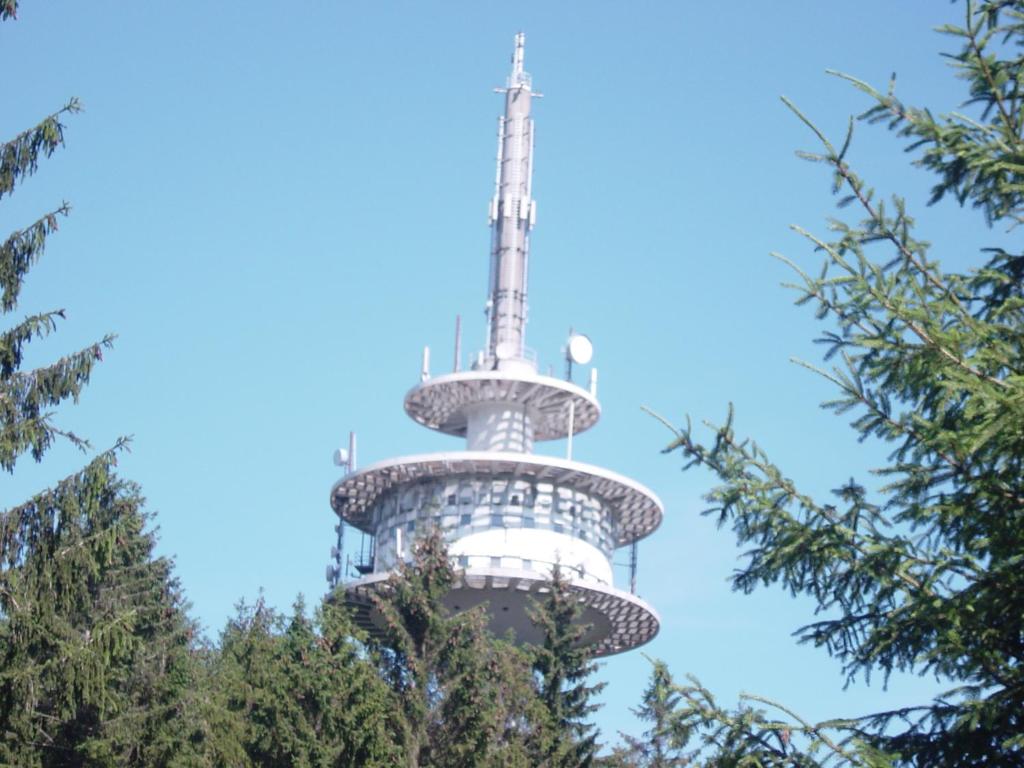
<point>512,215</point>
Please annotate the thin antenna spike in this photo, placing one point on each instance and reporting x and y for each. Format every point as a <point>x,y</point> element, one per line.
<point>632,567</point>
<point>517,58</point>
<point>458,344</point>
<point>511,218</point>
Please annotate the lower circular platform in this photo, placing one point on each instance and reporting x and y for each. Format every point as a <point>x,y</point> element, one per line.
<point>618,620</point>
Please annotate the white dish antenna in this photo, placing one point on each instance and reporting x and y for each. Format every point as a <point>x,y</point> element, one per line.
<point>341,457</point>
<point>581,350</point>
<point>505,350</point>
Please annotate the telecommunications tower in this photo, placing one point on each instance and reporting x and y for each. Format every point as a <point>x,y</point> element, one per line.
<point>508,515</point>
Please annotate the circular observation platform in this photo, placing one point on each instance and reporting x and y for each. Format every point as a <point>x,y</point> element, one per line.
<point>637,511</point>
<point>618,620</point>
<point>440,403</point>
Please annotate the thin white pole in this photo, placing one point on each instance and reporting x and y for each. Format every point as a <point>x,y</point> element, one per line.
<point>458,344</point>
<point>572,428</point>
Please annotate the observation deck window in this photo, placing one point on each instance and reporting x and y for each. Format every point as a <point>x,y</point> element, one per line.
<point>476,505</point>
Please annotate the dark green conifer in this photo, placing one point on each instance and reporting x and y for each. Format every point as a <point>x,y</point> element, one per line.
<point>466,699</point>
<point>301,692</point>
<point>94,642</point>
<point>26,396</point>
<point>663,744</point>
<point>95,647</point>
<point>926,574</point>
<point>562,666</point>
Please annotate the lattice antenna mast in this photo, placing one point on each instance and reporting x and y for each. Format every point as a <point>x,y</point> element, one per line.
<point>512,216</point>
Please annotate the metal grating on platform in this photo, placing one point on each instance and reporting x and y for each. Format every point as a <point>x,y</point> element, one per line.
<point>440,403</point>
<point>637,510</point>
<point>631,621</point>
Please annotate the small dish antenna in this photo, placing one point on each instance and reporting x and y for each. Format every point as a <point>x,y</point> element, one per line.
<point>505,350</point>
<point>581,350</point>
<point>346,457</point>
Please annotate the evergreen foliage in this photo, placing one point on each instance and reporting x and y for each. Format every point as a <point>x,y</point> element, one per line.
<point>926,574</point>
<point>301,693</point>
<point>663,744</point>
<point>465,699</point>
<point>95,646</point>
<point>25,422</point>
<point>93,638</point>
<point>562,665</point>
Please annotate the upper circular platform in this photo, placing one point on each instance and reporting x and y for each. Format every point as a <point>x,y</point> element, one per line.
<point>618,621</point>
<point>440,403</point>
<point>638,511</point>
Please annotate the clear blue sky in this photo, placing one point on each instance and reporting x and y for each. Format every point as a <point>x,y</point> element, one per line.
<point>276,205</point>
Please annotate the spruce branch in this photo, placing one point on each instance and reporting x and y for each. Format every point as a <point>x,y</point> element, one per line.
<point>928,579</point>
<point>983,64</point>
<point>845,176</point>
<point>19,157</point>
<point>21,250</point>
<point>24,426</point>
<point>13,340</point>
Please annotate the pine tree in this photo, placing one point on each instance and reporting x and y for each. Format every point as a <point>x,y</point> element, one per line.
<point>25,423</point>
<point>94,642</point>
<point>300,691</point>
<point>562,665</point>
<point>466,699</point>
<point>926,574</point>
<point>363,727</point>
<point>662,745</point>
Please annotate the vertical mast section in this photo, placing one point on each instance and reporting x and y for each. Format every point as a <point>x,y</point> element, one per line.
<point>512,216</point>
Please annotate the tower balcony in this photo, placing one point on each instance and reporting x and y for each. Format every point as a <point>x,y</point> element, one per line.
<point>508,520</point>
<point>446,403</point>
<point>446,486</point>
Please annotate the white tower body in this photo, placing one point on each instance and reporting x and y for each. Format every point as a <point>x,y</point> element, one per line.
<point>509,516</point>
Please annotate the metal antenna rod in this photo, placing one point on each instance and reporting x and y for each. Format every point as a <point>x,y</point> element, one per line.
<point>517,56</point>
<point>458,344</point>
<point>568,356</point>
<point>339,577</point>
<point>512,216</point>
<point>632,567</point>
